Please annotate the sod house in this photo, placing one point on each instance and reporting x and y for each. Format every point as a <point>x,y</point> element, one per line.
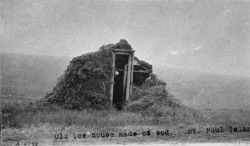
<point>100,79</point>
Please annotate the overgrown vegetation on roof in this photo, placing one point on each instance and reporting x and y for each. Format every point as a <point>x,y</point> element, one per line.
<point>85,83</point>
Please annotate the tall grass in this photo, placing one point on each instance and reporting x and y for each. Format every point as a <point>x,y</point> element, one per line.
<point>20,115</point>
<point>23,115</point>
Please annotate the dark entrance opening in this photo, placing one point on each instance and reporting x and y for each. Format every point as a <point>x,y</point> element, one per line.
<point>120,80</point>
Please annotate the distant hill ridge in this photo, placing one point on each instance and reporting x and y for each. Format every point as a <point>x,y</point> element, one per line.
<point>207,90</point>
<point>26,75</point>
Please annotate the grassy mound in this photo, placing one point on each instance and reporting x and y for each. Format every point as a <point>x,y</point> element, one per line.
<point>153,99</point>
<point>155,96</point>
<point>85,83</point>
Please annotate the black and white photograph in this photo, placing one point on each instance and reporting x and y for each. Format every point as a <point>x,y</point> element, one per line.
<point>124,72</point>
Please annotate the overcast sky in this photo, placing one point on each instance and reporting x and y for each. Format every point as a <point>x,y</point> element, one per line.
<point>204,35</point>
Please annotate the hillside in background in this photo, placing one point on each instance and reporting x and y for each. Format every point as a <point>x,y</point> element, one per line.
<point>207,90</point>
<point>29,76</point>
<point>33,76</point>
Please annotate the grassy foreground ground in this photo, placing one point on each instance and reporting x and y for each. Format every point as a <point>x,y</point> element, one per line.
<point>56,126</point>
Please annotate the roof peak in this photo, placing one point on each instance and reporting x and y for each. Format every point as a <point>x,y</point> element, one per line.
<point>123,44</point>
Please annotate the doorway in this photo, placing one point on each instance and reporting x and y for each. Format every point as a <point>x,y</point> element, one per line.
<point>120,80</point>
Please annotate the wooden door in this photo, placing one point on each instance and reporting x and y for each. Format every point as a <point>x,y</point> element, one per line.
<point>125,77</point>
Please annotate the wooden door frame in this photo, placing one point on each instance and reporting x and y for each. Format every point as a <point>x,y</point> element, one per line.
<point>130,53</point>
